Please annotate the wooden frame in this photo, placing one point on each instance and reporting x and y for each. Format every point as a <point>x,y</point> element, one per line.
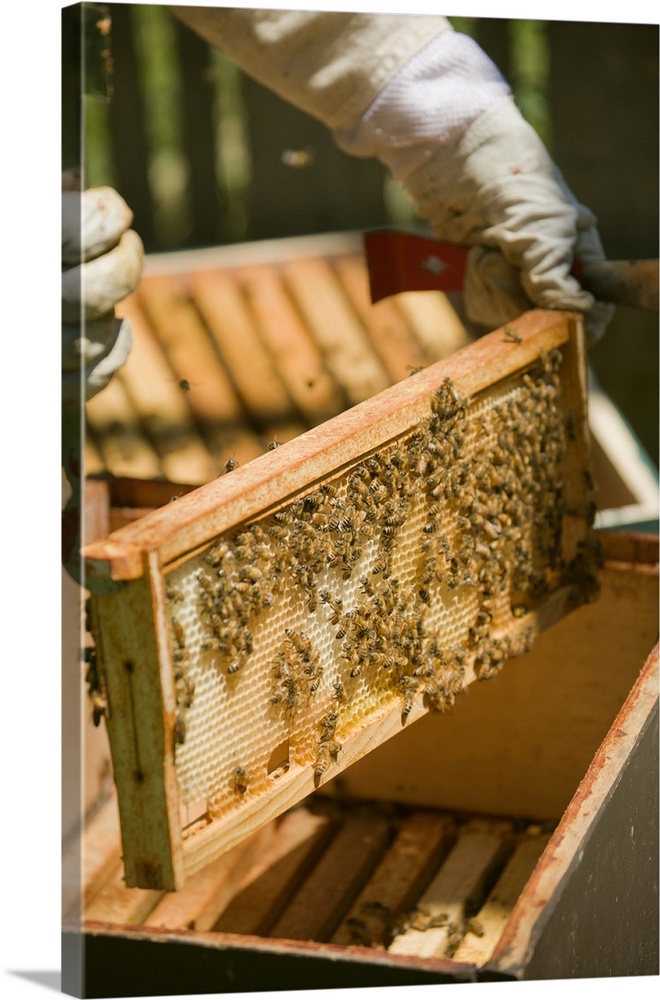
<point>132,627</point>
<point>578,914</point>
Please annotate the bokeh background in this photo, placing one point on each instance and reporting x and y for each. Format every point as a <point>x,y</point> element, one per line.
<point>205,156</point>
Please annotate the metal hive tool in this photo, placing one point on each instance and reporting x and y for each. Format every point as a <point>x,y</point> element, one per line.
<point>271,628</point>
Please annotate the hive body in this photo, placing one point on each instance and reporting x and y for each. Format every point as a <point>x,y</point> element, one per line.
<point>298,637</point>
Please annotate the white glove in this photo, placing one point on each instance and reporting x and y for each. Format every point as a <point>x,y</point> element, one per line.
<point>447,128</point>
<point>101,263</point>
<point>497,190</point>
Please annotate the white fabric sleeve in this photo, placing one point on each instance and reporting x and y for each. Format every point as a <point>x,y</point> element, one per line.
<point>330,64</point>
<point>441,90</point>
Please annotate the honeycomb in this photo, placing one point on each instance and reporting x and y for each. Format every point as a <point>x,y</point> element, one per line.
<point>381,587</point>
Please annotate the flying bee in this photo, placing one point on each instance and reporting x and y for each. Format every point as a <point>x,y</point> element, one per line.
<point>184,384</point>
<point>298,158</point>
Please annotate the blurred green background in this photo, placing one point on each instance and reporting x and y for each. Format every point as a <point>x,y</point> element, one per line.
<point>205,156</point>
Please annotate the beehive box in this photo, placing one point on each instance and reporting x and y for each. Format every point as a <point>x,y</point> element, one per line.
<point>514,837</point>
<point>158,421</point>
<point>274,626</point>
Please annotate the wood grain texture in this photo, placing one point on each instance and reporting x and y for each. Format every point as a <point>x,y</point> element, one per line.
<point>421,843</point>
<point>486,929</point>
<point>310,459</point>
<point>133,637</point>
<point>269,883</point>
<point>336,879</point>
<point>562,860</point>
<point>458,885</point>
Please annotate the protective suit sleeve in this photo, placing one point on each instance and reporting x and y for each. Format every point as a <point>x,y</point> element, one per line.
<point>330,64</point>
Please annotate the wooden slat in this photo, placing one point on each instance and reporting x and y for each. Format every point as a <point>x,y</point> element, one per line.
<point>336,329</point>
<point>168,305</point>
<point>313,456</point>
<point>232,328</point>
<point>295,354</point>
<point>391,335</point>
<point>270,882</point>
<point>120,440</point>
<point>433,321</point>
<point>197,905</point>
<point>462,879</point>
<point>89,862</point>
<point>222,422</point>
<point>480,941</point>
<point>117,904</point>
<point>132,633</point>
<point>421,843</point>
<point>160,405</point>
<point>335,881</point>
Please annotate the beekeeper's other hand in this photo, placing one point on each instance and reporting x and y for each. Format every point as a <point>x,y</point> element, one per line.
<point>102,260</point>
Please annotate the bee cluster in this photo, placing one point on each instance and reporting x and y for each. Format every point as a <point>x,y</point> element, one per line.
<point>378,926</point>
<point>379,586</point>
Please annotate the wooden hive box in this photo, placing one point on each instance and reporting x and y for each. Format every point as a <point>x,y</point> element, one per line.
<point>253,842</point>
<point>272,627</point>
<point>514,837</point>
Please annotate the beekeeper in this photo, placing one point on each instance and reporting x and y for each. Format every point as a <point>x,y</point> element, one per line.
<point>426,101</point>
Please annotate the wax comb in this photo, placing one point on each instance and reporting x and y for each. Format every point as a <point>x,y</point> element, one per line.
<point>272,627</point>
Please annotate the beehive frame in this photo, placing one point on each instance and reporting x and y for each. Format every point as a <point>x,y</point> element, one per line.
<point>222,712</point>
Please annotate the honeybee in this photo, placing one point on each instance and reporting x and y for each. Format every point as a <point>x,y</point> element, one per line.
<point>291,689</point>
<point>239,780</point>
<point>328,752</point>
<point>338,692</point>
<point>179,730</point>
<point>409,686</point>
<point>179,634</point>
<point>327,726</point>
<point>512,335</point>
<point>300,641</point>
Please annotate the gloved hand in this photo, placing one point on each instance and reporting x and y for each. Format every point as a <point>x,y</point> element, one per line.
<point>497,190</point>
<point>101,263</point>
<point>447,128</point>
